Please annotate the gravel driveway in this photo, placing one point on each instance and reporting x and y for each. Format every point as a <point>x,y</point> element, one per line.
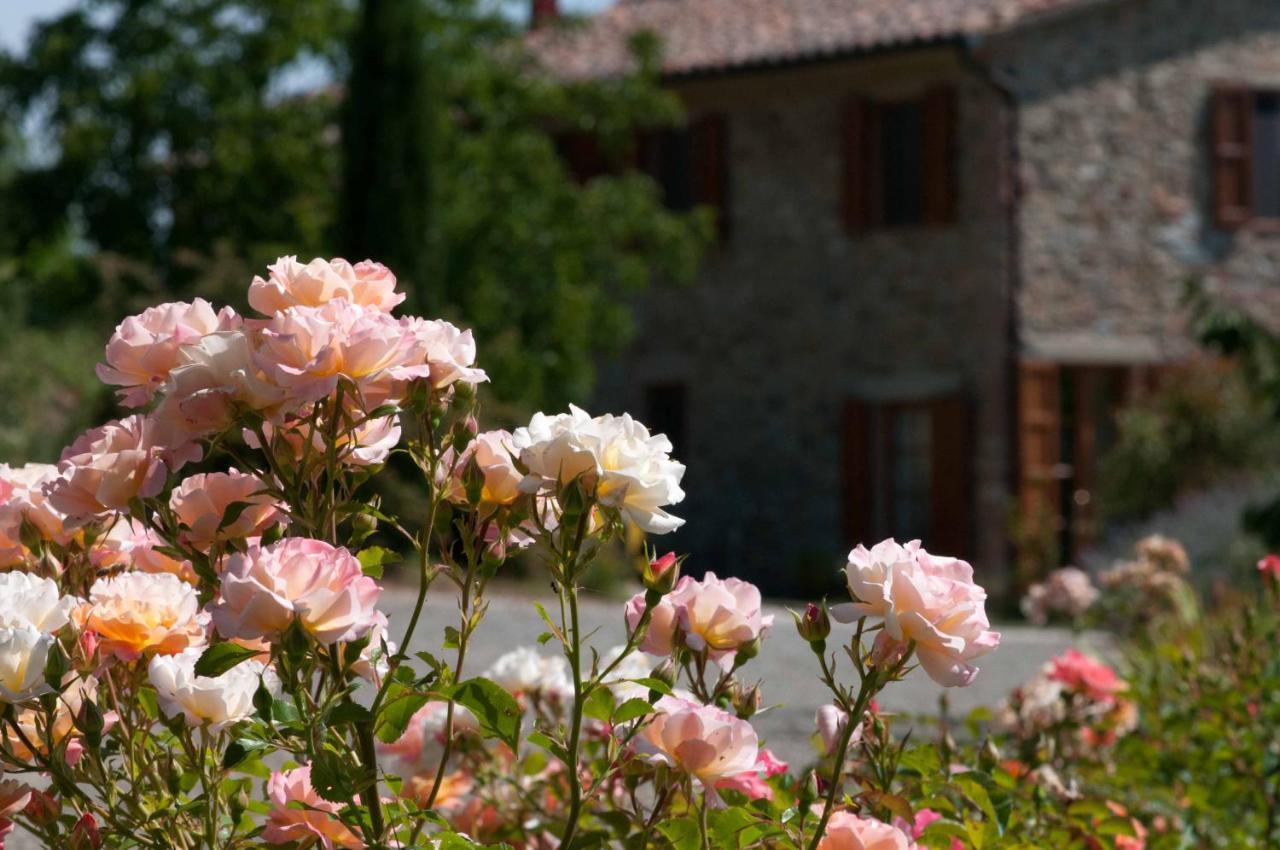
<point>785,664</point>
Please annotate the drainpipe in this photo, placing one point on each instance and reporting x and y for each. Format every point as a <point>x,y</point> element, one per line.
<point>970,52</point>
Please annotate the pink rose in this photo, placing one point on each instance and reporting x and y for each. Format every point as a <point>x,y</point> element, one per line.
<point>301,816</point>
<point>1270,566</point>
<point>144,348</point>
<point>716,615</point>
<point>131,545</point>
<point>1084,675</point>
<point>831,720</point>
<point>292,284</point>
<point>200,503</point>
<point>924,598</point>
<point>707,743</point>
<point>107,467</point>
<point>920,823</point>
<point>22,498</point>
<point>753,783</point>
<point>322,586</point>
<point>847,831</point>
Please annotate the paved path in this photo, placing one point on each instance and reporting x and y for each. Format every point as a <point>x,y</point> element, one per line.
<point>785,664</point>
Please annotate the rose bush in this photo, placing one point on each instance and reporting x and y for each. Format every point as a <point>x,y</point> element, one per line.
<point>192,655</point>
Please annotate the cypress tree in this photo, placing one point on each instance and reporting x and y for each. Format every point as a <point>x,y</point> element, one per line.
<point>387,132</point>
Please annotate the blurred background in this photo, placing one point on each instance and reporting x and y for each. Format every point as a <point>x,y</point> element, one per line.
<point>999,274</point>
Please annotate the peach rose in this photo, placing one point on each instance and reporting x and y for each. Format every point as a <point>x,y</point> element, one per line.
<point>215,701</point>
<point>140,613</point>
<point>847,831</point>
<point>367,444</point>
<point>144,348</point>
<point>29,600</point>
<point>34,726</point>
<point>22,499</point>
<point>133,546</point>
<point>299,816</point>
<point>716,615</point>
<point>322,586</point>
<point>494,459</point>
<point>448,352</point>
<point>201,501</point>
<point>704,741</point>
<point>307,350</point>
<point>213,377</point>
<point>924,598</point>
<point>107,467</point>
<point>14,796</point>
<point>292,284</point>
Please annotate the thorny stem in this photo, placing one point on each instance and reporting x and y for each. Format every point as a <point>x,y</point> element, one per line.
<point>569,593</point>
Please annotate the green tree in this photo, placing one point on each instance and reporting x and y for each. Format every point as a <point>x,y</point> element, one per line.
<point>388,127</point>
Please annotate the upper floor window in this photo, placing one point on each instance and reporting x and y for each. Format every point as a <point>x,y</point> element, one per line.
<point>691,165</point>
<point>1245,150</point>
<point>899,161</point>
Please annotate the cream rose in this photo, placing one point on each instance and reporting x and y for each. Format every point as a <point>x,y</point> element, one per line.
<point>213,701</point>
<point>615,457</point>
<point>29,600</point>
<point>23,653</point>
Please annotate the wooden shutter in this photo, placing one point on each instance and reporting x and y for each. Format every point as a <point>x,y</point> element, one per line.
<point>1231,129</point>
<point>952,476</point>
<point>1039,442</point>
<point>938,169</point>
<point>711,167</point>
<point>856,157</point>
<point>857,481</point>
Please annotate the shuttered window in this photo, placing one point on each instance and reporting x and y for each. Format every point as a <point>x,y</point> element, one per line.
<point>1244,127</point>
<point>899,161</point>
<point>691,166</point>
<point>907,472</point>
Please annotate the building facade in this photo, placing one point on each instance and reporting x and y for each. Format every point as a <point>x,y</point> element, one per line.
<point>953,238</point>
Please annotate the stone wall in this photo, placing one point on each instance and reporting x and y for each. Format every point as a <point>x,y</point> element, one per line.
<point>793,316</point>
<point>1115,212</point>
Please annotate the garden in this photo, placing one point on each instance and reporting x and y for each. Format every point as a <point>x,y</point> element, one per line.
<point>194,655</point>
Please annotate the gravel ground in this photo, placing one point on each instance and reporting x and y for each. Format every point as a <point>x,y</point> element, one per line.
<point>785,664</point>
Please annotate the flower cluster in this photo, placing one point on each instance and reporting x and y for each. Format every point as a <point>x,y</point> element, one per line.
<point>1068,593</point>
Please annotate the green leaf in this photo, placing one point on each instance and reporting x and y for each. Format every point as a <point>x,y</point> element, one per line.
<point>630,710</point>
<point>374,558</point>
<point>334,779</point>
<point>221,657</point>
<point>653,685</point>
<point>541,739</point>
<point>683,833</point>
<point>495,709</point>
<point>239,750</point>
<point>349,712</point>
<point>598,704</point>
<point>398,708</point>
<point>232,513</point>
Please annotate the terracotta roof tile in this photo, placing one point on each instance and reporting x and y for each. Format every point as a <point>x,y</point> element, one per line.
<point>708,35</point>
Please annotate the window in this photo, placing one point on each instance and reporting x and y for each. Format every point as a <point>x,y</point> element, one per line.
<point>691,165</point>
<point>906,472</point>
<point>899,161</point>
<point>1245,151</point>
<point>665,412</point>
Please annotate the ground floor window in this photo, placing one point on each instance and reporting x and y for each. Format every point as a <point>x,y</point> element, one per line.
<point>906,471</point>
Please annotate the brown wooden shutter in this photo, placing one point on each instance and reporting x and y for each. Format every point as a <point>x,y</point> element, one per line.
<point>952,476</point>
<point>939,149</point>
<point>857,479</point>
<point>1231,128</point>
<point>711,167</point>
<point>1039,442</point>
<point>856,156</point>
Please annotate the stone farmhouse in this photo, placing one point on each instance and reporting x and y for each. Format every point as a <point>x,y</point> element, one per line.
<point>953,238</point>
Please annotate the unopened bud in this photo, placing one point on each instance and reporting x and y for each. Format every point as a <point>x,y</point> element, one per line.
<point>811,790</point>
<point>746,652</point>
<point>363,525</point>
<point>43,808</point>
<point>661,574</point>
<point>814,625</point>
<point>746,701</point>
<point>665,673</point>
<point>989,756</point>
<point>85,835</point>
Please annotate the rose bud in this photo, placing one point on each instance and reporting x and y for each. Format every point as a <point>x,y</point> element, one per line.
<point>661,574</point>
<point>814,625</point>
<point>43,808</point>
<point>85,835</point>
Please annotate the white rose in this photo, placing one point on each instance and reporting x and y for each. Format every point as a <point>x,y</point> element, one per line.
<point>29,600</point>
<point>218,701</point>
<point>23,652</point>
<point>628,468</point>
<point>523,671</point>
